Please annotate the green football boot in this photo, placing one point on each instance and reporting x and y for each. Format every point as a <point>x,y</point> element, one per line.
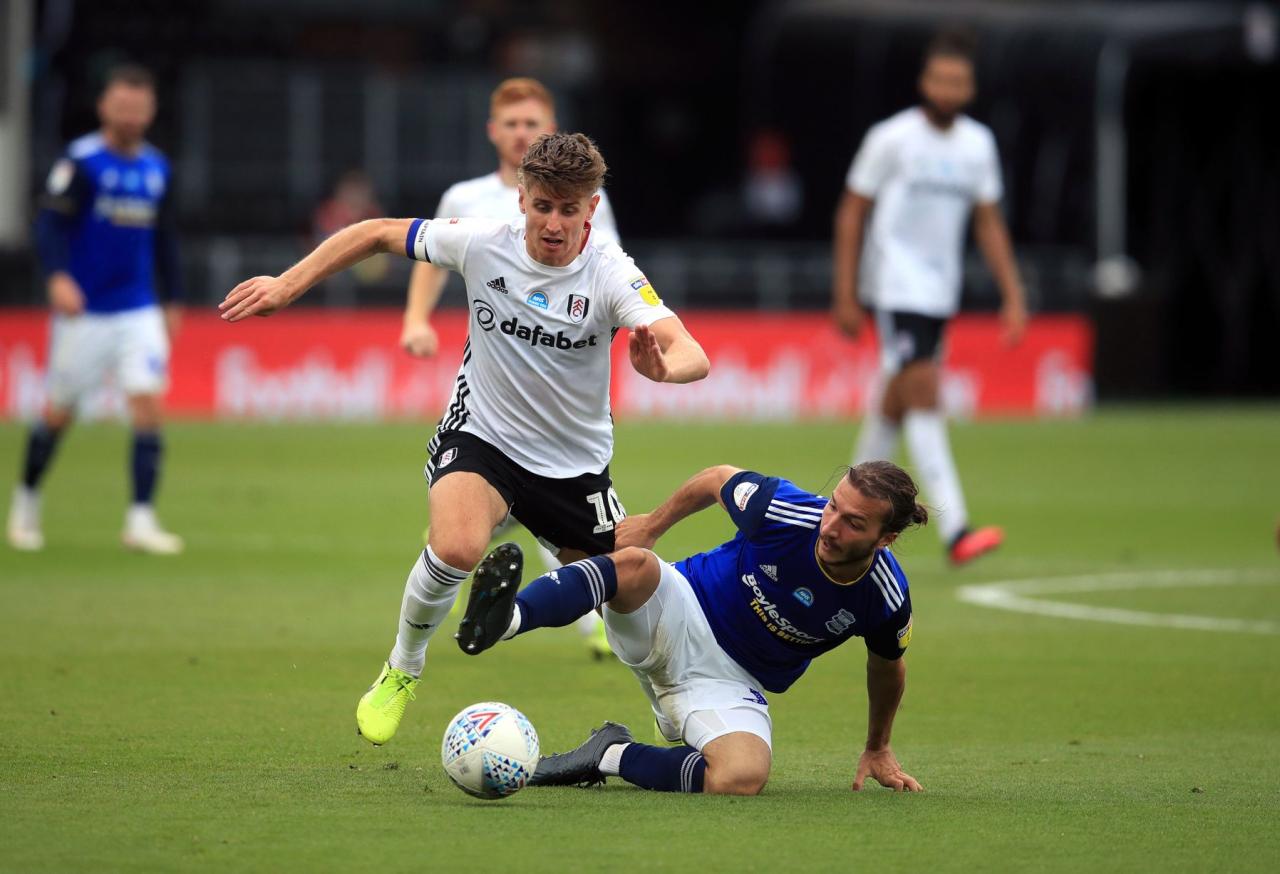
<point>380,709</point>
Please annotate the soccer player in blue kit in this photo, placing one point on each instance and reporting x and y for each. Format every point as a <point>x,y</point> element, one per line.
<point>707,636</point>
<point>103,232</point>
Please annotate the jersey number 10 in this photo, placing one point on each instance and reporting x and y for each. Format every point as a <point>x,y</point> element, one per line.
<point>608,509</point>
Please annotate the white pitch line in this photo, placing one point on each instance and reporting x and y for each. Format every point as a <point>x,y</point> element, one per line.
<point>1013,595</point>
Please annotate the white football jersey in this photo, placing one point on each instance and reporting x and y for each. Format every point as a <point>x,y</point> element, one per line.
<point>925,183</point>
<point>487,197</point>
<point>534,380</point>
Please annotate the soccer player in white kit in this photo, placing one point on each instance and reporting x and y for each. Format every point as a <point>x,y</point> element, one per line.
<point>520,110</point>
<point>527,431</point>
<point>916,180</point>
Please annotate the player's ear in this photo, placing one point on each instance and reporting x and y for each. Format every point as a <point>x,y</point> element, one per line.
<point>591,207</point>
<point>520,188</point>
<point>489,129</point>
<point>883,542</point>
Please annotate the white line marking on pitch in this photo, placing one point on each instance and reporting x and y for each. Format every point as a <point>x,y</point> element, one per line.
<point>1015,595</point>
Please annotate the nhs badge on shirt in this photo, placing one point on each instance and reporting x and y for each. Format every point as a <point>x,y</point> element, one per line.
<point>537,299</point>
<point>577,309</point>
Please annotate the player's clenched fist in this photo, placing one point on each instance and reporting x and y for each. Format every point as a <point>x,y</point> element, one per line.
<point>259,296</point>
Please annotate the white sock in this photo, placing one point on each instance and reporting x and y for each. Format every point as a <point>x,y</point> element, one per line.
<point>926,433</point>
<point>588,623</point>
<point>140,516</point>
<point>878,438</point>
<point>429,594</point>
<point>549,560</point>
<point>611,764</point>
<point>514,628</point>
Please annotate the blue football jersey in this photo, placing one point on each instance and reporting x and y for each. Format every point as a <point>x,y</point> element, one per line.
<point>771,605</point>
<point>102,213</point>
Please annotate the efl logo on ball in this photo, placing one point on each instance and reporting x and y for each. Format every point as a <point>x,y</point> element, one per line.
<point>490,750</point>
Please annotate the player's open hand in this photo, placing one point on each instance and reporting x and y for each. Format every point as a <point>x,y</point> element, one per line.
<point>634,531</point>
<point>849,318</point>
<point>260,296</point>
<point>646,355</point>
<point>419,339</point>
<point>882,766</point>
<point>1013,323</point>
<point>65,295</point>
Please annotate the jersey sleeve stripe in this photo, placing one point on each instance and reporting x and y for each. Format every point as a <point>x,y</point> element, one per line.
<point>889,575</point>
<point>799,507</point>
<point>887,589</point>
<point>890,586</point>
<point>774,508</point>
<point>883,592</point>
<point>795,522</point>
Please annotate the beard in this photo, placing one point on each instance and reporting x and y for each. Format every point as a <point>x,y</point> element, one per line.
<point>940,116</point>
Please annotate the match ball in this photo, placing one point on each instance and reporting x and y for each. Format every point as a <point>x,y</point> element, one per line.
<point>490,750</point>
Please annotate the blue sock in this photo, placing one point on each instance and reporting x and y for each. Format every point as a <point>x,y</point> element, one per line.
<point>560,597</point>
<point>147,450</point>
<point>665,769</point>
<point>40,447</point>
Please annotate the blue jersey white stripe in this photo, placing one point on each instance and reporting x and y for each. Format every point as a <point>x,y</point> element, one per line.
<point>796,522</point>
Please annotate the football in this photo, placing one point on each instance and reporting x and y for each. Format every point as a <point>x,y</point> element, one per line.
<point>490,750</point>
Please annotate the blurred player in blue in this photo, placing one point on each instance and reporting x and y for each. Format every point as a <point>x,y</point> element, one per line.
<point>916,181</point>
<point>104,233</point>
<point>709,635</point>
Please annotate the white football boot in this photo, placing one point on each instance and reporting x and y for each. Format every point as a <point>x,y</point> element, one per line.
<point>24,520</point>
<point>142,532</point>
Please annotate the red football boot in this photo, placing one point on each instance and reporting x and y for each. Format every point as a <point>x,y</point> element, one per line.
<point>972,544</point>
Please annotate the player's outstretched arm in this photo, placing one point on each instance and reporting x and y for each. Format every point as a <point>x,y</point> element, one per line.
<point>886,681</point>
<point>263,295</point>
<point>698,492</point>
<point>666,352</point>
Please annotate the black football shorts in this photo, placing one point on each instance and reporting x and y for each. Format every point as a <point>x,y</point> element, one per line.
<point>575,513</point>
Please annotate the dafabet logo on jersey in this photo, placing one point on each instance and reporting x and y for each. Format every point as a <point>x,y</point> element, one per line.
<point>647,294</point>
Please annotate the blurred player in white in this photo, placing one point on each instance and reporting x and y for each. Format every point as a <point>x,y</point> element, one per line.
<point>899,245</point>
<point>105,233</point>
<point>528,430</point>
<point>520,111</point>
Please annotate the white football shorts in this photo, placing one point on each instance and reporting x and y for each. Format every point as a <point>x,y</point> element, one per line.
<point>130,348</point>
<point>697,691</point>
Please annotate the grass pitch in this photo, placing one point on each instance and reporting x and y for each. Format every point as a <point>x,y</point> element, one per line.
<point>197,713</point>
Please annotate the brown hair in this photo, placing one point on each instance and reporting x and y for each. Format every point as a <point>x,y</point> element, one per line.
<point>514,90</point>
<point>563,165</point>
<point>885,481</point>
<point>951,43</point>
<point>134,75</point>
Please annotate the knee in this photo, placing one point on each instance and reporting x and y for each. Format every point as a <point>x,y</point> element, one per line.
<point>740,779</point>
<point>632,561</point>
<point>462,553</point>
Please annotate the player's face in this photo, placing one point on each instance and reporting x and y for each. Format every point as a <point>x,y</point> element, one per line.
<point>851,528</point>
<point>554,226</point>
<point>126,111</point>
<point>515,126</point>
<point>947,86</point>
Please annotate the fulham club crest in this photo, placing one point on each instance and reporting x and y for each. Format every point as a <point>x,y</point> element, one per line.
<point>449,455</point>
<point>578,306</point>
